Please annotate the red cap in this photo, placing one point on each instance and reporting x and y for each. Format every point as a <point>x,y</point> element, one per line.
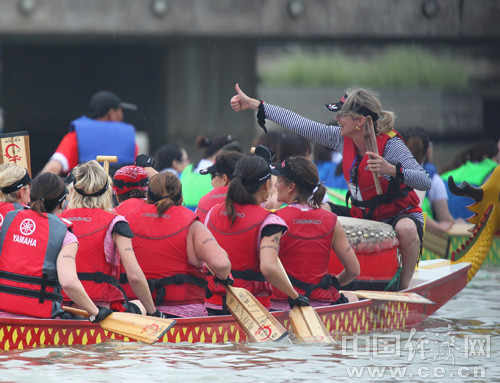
<point>129,178</point>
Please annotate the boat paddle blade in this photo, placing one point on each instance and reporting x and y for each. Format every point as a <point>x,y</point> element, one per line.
<point>308,326</point>
<point>392,296</point>
<point>258,324</point>
<point>142,328</point>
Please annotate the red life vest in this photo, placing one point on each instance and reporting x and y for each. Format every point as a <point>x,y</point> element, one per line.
<point>160,246</point>
<point>209,200</point>
<point>240,243</point>
<point>305,252</point>
<point>5,207</point>
<point>127,205</point>
<point>99,278</point>
<point>396,197</point>
<point>29,246</point>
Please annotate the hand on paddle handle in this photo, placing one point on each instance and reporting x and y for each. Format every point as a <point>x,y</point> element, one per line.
<point>103,313</point>
<point>379,165</point>
<point>299,301</point>
<point>229,281</point>
<point>158,314</point>
<point>242,102</point>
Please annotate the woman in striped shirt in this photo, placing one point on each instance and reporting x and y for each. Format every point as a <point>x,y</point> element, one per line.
<point>398,171</point>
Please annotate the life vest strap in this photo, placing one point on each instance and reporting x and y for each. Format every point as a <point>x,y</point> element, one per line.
<point>326,282</point>
<point>28,279</point>
<point>100,277</point>
<point>177,279</point>
<point>41,296</point>
<point>249,275</point>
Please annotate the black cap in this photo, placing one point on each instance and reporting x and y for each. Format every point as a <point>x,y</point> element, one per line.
<point>218,168</point>
<point>338,105</point>
<point>103,101</point>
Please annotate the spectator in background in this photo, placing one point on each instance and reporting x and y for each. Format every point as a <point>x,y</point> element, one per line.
<point>195,185</point>
<point>102,132</point>
<point>171,158</point>
<point>329,164</point>
<point>435,200</point>
<point>473,165</point>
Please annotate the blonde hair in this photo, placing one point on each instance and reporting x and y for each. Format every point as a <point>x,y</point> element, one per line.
<point>91,177</point>
<point>10,174</point>
<point>165,186</point>
<point>369,100</point>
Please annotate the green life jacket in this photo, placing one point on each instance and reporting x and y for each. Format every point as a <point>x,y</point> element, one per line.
<point>472,172</point>
<point>194,186</point>
<point>426,207</point>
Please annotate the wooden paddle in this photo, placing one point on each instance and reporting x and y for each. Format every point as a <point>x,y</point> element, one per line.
<point>139,327</point>
<point>106,160</point>
<point>258,324</point>
<point>392,296</point>
<point>308,326</point>
<point>371,146</point>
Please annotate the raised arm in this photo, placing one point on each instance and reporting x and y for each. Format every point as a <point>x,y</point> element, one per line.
<point>327,135</point>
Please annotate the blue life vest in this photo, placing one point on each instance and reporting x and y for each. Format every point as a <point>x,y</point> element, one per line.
<point>104,138</point>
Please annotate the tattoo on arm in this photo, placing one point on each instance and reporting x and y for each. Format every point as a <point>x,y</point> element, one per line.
<point>69,256</point>
<point>348,249</point>
<point>276,239</point>
<point>129,249</point>
<point>270,247</point>
<point>208,240</point>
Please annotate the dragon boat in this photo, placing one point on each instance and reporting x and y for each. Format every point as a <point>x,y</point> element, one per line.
<point>437,280</point>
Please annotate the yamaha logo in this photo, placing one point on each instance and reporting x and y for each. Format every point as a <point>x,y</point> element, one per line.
<point>27,226</point>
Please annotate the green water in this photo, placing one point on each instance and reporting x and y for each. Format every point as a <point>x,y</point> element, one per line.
<point>473,313</point>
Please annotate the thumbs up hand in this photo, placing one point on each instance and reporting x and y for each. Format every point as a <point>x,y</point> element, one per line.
<point>242,102</point>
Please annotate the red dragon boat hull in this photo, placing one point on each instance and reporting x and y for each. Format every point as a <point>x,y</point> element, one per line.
<point>439,284</point>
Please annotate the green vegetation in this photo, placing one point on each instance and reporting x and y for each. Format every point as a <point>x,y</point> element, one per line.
<point>396,66</point>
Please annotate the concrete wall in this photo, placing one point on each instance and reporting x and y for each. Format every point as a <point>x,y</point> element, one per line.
<point>394,19</point>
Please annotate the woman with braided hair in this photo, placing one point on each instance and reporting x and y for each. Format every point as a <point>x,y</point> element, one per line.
<point>397,170</point>
<point>102,234</point>
<point>38,257</point>
<point>312,232</point>
<point>251,236</point>
<point>171,246</point>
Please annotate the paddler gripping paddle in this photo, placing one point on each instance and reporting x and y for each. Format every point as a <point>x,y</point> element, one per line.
<point>139,327</point>
<point>258,324</point>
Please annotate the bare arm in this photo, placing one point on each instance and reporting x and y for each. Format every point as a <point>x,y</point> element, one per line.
<point>135,276</point>
<point>202,247</point>
<point>66,272</point>
<point>271,266</point>
<point>53,166</point>
<point>346,256</point>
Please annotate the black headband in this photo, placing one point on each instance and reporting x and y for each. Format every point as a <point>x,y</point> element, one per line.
<point>96,194</point>
<point>50,204</point>
<point>255,180</point>
<point>155,198</point>
<point>286,170</point>
<point>26,180</point>
<point>120,184</point>
<point>364,111</point>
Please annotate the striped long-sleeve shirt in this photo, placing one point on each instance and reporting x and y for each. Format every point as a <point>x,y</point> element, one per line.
<point>395,150</point>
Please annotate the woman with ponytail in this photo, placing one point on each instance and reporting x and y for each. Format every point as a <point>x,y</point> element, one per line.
<point>397,170</point>
<point>312,232</point>
<point>251,236</point>
<point>38,257</point>
<point>14,189</point>
<point>102,234</point>
<point>171,246</point>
